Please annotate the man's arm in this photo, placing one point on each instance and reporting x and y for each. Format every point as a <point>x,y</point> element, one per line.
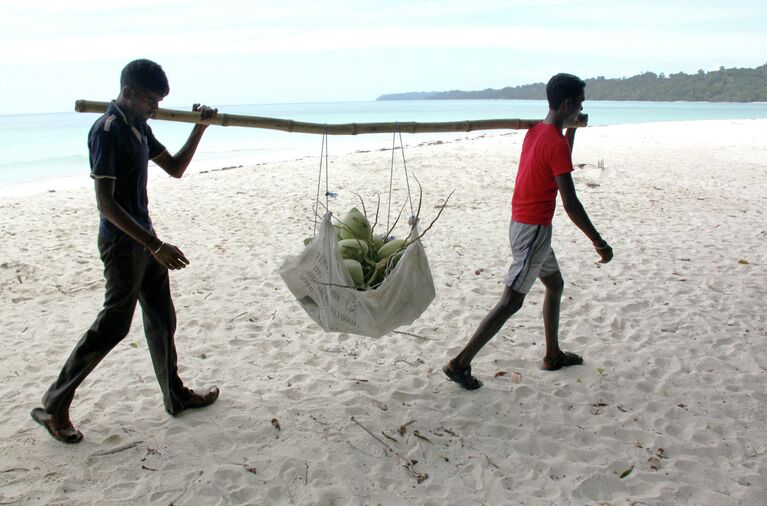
<point>167,254</point>
<point>570,136</point>
<point>582,120</point>
<point>175,165</point>
<point>580,218</point>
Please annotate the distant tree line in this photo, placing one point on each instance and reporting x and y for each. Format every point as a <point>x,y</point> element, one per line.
<point>723,85</point>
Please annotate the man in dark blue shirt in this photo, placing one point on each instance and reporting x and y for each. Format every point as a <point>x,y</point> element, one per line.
<point>136,261</point>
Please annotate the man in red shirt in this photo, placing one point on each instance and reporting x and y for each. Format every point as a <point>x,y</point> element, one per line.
<point>544,169</point>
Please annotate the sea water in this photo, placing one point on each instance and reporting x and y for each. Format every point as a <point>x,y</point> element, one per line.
<point>49,151</point>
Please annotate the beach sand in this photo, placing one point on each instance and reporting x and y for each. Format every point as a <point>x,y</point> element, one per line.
<point>669,407</point>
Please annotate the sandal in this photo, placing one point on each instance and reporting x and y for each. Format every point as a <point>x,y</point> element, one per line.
<point>565,359</point>
<point>461,375</point>
<point>194,400</point>
<point>60,429</point>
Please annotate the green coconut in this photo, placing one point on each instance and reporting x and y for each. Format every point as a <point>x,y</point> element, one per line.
<point>355,269</point>
<point>356,226</point>
<point>377,241</point>
<point>378,274</point>
<point>353,248</point>
<point>384,267</point>
<point>388,263</point>
<point>390,248</point>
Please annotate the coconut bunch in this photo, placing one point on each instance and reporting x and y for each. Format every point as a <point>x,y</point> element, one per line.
<point>368,256</point>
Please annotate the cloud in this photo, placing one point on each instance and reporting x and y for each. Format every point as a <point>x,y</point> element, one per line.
<point>607,43</point>
<point>231,44</point>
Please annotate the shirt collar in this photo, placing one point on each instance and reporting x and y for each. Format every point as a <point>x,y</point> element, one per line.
<point>115,108</point>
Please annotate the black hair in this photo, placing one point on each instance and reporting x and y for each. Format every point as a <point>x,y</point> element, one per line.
<point>561,87</point>
<point>145,75</point>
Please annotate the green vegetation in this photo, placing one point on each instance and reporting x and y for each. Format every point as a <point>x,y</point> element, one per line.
<point>723,85</point>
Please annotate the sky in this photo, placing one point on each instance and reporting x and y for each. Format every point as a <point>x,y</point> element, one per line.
<point>226,52</point>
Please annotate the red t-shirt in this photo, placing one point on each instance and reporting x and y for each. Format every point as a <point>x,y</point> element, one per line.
<point>545,155</point>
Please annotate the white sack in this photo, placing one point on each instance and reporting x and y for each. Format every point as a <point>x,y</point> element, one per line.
<point>324,288</point>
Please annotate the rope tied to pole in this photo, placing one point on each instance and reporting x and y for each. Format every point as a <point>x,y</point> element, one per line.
<point>395,134</point>
<point>323,157</point>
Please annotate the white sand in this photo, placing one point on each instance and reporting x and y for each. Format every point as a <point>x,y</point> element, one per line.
<point>672,332</point>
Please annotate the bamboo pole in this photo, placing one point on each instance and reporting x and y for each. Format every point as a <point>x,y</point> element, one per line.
<point>287,125</point>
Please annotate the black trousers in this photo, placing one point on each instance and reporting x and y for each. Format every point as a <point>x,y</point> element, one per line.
<point>132,275</point>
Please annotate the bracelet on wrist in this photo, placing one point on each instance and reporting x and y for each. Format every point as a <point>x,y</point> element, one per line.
<point>158,248</point>
<point>602,245</point>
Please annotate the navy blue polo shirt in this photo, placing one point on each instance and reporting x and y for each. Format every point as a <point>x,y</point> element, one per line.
<point>122,152</point>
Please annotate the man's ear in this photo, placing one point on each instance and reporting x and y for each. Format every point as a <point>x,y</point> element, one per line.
<point>127,92</point>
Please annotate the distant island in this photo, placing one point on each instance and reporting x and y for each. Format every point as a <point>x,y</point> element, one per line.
<point>723,85</point>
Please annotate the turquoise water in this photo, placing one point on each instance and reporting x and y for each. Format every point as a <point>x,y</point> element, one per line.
<point>47,147</point>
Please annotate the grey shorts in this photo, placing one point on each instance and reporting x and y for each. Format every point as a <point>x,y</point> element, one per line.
<point>532,256</point>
